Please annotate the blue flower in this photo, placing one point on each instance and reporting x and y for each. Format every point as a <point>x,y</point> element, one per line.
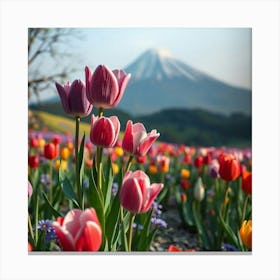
<point>228,247</point>
<point>47,228</point>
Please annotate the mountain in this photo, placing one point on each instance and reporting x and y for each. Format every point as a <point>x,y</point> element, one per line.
<point>160,81</point>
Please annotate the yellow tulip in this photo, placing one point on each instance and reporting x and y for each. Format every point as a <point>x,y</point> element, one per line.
<point>65,153</point>
<point>63,164</point>
<point>185,173</point>
<point>119,151</point>
<point>115,168</point>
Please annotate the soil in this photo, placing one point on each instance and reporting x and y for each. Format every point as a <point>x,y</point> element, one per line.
<point>174,234</point>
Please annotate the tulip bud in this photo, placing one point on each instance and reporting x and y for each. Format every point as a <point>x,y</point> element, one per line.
<point>199,191</point>
<point>246,233</point>
<point>104,131</point>
<point>50,151</point>
<point>105,88</point>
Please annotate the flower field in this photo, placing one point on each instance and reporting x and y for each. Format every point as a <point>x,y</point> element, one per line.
<point>108,190</point>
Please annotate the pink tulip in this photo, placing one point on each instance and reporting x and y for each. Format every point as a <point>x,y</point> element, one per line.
<point>79,231</point>
<point>73,98</point>
<point>136,140</point>
<point>105,88</point>
<point>137,194</point>
<point>104,131</point>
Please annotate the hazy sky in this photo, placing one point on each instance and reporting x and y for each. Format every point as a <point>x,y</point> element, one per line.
<point>224,53</point>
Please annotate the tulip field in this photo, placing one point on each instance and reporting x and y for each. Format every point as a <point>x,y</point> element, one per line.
<point>108,190</point>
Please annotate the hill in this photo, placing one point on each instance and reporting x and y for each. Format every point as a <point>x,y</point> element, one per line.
<point>189,126</point>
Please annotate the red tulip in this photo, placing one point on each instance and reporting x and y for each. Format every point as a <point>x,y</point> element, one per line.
<point>173,248</point>
<point>137,194</point>
<point>79,231</point>
<point>198,161</point>
<point>51,151</point>
<point>34,142</point>
<point>105,88</point>
<point>136,140</point>
<point>104,131</point>
<point>29,247</point>
<point>33,161</point>
<point>247,182</point>
<point>229,167</point>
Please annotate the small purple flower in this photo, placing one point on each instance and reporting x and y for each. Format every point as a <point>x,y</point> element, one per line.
<point>115,188</point>
<point>228,247</point>
<point>47,228</point>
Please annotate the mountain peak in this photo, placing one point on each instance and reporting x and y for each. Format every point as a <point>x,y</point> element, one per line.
<point>159,64</point>
<point>159,52</point>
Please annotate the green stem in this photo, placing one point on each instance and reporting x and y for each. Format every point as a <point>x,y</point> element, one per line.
<point>50,187</point>
<point>36,217</point>
<point>128,165</point>
<point>99,168</point>
<point>78,183</point>
<point>123,229</point>
<point>244,208</point>
<point>30,228</point>
<point>131,220</point>
<point>100,112</point>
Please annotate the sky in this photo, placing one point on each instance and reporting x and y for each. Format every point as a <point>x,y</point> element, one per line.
<point>224,53</point>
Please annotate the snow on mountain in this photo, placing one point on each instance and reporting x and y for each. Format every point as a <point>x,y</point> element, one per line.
<point>160,64</point>
<point>160,81</point>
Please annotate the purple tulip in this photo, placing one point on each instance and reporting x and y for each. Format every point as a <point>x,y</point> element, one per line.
<point>73,98</point>
<point>105,88</point>
<point>104,131</point>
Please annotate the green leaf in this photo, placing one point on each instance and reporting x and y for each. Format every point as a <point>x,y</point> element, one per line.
<point>142,243</point>
<point>54,212</point>
<point>67,188</point>
<point>96,201</point>
<point>108,182</point>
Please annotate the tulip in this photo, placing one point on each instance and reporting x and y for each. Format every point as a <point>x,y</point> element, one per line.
<point>198,161</point>
<point>163,163</point>
<point>33,161</point>
<point>79,231</point>
<point>229,167</point>
<point>173,248</point>
<point>65,153</point>
<point>199,191</point>
<point>137,194</point>
<point>136,140</point>
<point>246,233</point>
<point>247,182</point>
<point>104,131</point>
<point>214,168</point>
<point>29,247</point>
<point>51,151</point>
<point>73,98</point>
<point>105,88</point>
<point>185,173</point>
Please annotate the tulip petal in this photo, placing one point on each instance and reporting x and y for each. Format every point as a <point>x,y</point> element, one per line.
<point>127,142</point>
<point>146,143</point>
<point>103,87</point>
<point>89,215</point>
<point>103,133</point>
<point>116,123</point>
<point>65,237</point>
<point>154,190</point>
<point>71,221</point>
<point>123,80</point>
<point>88,75</point>
<point>131,196</point>
<point>63,94</point>
<point>89,237</point>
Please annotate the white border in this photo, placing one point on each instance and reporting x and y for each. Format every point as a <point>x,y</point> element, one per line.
<point>262,16</point>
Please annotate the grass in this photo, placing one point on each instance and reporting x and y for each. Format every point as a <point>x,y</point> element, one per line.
<point>58,123</point>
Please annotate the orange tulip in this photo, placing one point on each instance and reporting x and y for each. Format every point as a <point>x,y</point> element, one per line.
<point>246,233</point>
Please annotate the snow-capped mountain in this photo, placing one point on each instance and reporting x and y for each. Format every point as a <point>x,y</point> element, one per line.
<point>159,64</point>
<point>160,81</point>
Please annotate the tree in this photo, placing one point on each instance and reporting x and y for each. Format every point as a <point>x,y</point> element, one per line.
<point>47,45</point>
